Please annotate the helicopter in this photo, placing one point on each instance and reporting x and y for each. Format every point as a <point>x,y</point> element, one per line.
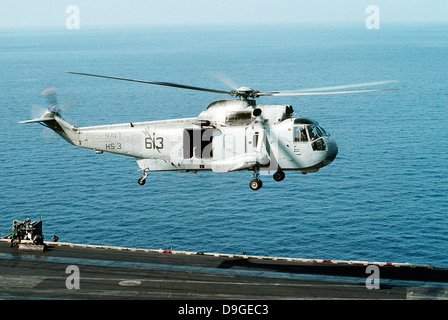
<point>229,135</point>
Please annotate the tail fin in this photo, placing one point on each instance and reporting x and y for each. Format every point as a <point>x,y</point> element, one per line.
<point>51,119</point>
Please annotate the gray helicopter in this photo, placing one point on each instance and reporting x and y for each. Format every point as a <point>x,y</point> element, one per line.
<point>230,135</point>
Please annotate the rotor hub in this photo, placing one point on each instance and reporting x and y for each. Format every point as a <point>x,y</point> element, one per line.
<point>245,92</point>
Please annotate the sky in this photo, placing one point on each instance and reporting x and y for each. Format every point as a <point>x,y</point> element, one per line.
<point>31,13</point>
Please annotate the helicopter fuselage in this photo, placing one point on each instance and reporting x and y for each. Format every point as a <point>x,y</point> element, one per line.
<point>231,135</point>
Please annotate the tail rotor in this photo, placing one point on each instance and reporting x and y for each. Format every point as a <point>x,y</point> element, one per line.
<point>44,114</point>
<point>50,94</point>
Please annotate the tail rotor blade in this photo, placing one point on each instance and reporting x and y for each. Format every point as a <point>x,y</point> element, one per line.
<point>49,93</point>
<point>37,111</point>
<point>69,102</point>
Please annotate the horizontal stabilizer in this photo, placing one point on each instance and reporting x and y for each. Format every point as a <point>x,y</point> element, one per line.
<point>47,116</point>
<point>36,120</point>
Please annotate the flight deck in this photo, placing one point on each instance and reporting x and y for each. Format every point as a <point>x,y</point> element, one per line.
<point>76,271</point>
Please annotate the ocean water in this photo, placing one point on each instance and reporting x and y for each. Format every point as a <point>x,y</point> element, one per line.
<point>384,198</point>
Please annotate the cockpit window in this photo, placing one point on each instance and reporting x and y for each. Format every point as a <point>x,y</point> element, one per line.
<point>316,131</point>
<point>312,132</point>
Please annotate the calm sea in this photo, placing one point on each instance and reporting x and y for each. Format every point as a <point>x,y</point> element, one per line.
<point>384,198</point>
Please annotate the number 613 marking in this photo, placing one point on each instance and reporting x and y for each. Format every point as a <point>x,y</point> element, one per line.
<point>154,143</point>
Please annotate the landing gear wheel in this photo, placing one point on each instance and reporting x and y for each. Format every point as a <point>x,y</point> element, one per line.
<point>279,175</point>
<point>141,181</point>
<point>256,184</point>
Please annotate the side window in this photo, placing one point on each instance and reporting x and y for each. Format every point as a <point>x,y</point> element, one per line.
<point>300,134</point>
<point>303,136</point>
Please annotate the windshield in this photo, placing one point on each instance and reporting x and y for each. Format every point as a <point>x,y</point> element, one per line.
<point>316,131</point>
<point>311,131</point>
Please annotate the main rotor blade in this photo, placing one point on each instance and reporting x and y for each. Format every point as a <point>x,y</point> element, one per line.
<point>280,93</point>
<point>326,90</point>
<point>167,84</point>
<point>224,78</point>
<point>340,87</point>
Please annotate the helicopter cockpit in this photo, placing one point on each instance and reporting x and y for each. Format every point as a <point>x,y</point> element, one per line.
<point>307,130</point>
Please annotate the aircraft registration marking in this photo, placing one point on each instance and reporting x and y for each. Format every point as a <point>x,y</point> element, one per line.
<point>154,143</point>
